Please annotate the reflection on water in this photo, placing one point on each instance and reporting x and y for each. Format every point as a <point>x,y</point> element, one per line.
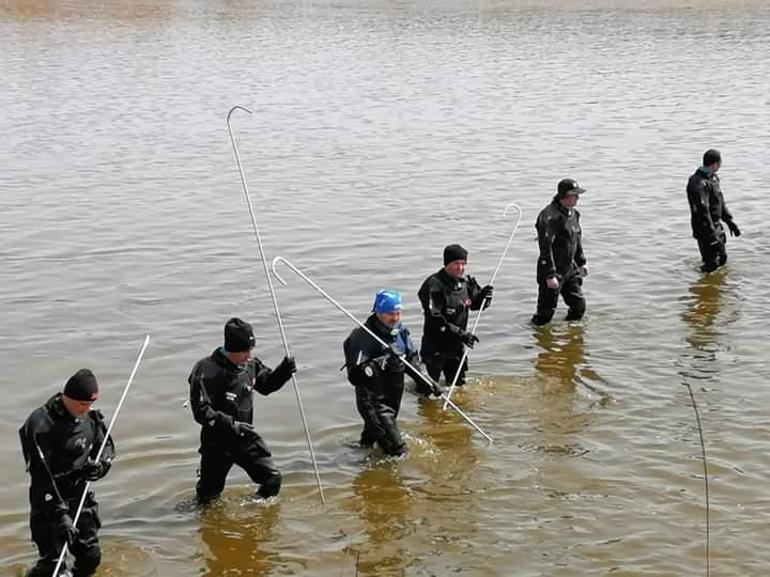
<point>704,303</point>
<point>447,431</point>
<point>563,352</point>
<point>238,544</point>
<point>384,506</point>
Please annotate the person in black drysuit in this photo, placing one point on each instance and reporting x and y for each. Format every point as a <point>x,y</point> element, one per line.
<point>221,402</point>
<point>446,297</point>
<point>377,373</point>
<point>60,442</point>
<point>561,265</point>
<point>707,209</point>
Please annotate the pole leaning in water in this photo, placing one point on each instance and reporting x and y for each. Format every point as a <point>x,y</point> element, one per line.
<point>705,479</point>
<point>63,553</point>
<point>326,295</point>
<point>272,295</point>
<point>478,316</point>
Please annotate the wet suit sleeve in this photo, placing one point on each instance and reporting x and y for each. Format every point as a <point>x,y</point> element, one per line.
<point>200,403</point>
<point>267,380</point>
<point>727,216</point>
<point>699,204</point>
<point>37,455</point>
<point>546,234</point>
<point>433,303</point>
<point>363,369</point>
<point>580,257</point>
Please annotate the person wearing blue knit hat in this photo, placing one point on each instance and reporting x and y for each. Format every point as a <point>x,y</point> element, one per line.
<point>378,374</point>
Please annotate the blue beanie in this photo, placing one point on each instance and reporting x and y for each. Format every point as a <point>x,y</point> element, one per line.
<point>387,301</point>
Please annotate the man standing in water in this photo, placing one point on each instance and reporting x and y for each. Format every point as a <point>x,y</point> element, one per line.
<point>60,441</point>
<point>378,373</point>
<point>561,265</point>
<point>446,298</point>
<point>221,401</point>
<point>707,209</point>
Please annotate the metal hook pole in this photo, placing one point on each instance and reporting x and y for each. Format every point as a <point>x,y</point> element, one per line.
<point>373,335</point>
<point>466,350</point>
<point>63,553</point>
<point>274,298</point>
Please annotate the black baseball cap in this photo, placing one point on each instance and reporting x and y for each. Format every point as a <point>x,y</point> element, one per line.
<point>569,186</point>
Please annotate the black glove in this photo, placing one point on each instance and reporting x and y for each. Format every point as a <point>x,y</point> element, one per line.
<point>95,471</point>
<point>734,230</point>
<point>434,388</point>
<point>242,429</point>
<point>468,339</point>
<point>393,364</point>
<point>67,529</point>
<point>486,292</point>
<point>288,365</point>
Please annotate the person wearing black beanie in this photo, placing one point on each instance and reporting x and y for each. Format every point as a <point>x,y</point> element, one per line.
<point>561,262</point>
<point>447,296</point>
<point>60,442</point>
<point>707,212</point>
<point>221,387</point>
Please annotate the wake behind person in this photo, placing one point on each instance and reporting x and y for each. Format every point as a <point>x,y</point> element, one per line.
<point>221,400</point>
<point>707,212</point>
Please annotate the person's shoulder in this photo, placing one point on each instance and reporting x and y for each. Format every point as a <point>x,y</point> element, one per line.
<point>206,366</point>
<point>39,421</point>
<point>549,214</point>
<point>356,333</point>
<point>431,280</point>
<point>697,178</point>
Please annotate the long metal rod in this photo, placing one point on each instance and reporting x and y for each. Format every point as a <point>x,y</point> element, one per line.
<point>466,350</point>
<point>705,479</point>
<point>63,553</point>
<point>274,298</point>
<point>328,297</point>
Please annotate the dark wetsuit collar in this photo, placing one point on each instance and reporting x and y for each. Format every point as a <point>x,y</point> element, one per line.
<point>223,361</point>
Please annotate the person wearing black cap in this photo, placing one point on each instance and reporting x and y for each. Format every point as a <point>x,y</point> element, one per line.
<point>60,441</point>
<point>707,209</point>
<point>378,373</point>
<point>221,402</point>
<point>561,265</point>
<point>446,297</point>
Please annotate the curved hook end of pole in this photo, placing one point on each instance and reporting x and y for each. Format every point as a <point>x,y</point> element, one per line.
<point>234,108</point>
<point>512,205</point>
<point>275,272</point>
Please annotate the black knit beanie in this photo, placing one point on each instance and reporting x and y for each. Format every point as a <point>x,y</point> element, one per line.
<point>454,252</point>
<point>82,386</point>
<point>239,336</point>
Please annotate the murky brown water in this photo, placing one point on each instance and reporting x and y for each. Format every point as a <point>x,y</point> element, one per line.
<point>383,131</point>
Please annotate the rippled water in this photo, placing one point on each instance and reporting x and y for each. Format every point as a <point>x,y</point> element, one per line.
<point>381,132</point>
